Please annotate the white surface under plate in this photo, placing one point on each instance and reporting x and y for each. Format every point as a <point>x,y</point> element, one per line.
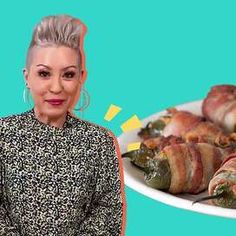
<point>134,177</point>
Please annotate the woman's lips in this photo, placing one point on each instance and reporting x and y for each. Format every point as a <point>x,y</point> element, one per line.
<point>55,102</point>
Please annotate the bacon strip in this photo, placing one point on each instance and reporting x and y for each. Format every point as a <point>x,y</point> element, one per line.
<point>197,167</point>
<point>205,132</point>
<point>161,141</point>
<point>220,106</point>
<point>193,128</point>
<point>181,122</point>
<point>192,166</point>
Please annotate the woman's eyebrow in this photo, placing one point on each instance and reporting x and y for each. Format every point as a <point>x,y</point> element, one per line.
<point>73,66</point>
<point>44,66</point>
<point>65,68</point>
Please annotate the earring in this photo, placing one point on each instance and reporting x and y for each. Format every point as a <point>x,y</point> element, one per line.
<point>26,94</point>
<point>85,100</point>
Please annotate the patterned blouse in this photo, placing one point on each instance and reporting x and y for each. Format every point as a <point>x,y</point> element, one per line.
<point>58,181</point>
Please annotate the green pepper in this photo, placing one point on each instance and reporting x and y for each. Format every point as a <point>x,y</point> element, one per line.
<point>158,174</point>
<point>140,156</point>
<point>227,198</point>
<point>153,129</point>
<point>156,171</point>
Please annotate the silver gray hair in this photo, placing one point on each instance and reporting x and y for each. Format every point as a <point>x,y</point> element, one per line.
<point>58,30</point>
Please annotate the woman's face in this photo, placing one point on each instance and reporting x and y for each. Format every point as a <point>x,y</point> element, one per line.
<point>53,73</point>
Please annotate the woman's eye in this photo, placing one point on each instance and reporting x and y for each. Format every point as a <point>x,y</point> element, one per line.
<point>44,73</point>
<point>69,75</point>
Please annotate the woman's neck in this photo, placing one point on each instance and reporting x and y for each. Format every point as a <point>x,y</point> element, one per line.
<point>52,121</point>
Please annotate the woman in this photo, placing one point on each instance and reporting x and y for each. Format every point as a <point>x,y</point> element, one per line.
<point>59,174</point>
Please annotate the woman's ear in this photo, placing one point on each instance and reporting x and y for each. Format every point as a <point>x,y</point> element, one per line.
<point>26,76</point>
<point>83,75</point>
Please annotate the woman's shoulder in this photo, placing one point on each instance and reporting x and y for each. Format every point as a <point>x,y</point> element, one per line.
<point>93,130</point>
<point>100,140</point>
<point>98,136</point>
<point>11,121</point>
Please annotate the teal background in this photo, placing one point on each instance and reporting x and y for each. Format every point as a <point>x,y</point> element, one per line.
<point>143,56</point>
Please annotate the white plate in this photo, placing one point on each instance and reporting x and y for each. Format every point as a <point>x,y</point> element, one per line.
<point>134,177</point>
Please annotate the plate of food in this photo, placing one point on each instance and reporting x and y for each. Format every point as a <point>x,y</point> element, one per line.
<point>187,156</point>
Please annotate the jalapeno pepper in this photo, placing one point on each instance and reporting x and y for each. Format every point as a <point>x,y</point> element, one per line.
<point>149,148</point>
<point>153,128</point>
<point>140,156</point>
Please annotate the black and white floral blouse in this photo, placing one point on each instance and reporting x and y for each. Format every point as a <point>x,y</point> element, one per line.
<point>58,181</point>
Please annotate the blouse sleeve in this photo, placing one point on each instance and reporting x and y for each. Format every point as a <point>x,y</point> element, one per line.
<point>106,215</point>
<point>6,227</point>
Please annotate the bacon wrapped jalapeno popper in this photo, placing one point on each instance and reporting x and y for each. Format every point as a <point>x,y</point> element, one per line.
<point>174,123</point>
<point>222,187</point>
<point>220,106</point>
<point>184,168</point>
<point>178,167</point>
<point>190,127</point>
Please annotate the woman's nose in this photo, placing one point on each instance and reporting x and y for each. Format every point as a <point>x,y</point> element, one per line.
<point>56,85</point>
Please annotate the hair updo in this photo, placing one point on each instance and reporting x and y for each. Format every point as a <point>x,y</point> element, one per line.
<point>59,30</point>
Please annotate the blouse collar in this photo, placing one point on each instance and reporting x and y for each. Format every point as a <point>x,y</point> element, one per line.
<point>46,127</point>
